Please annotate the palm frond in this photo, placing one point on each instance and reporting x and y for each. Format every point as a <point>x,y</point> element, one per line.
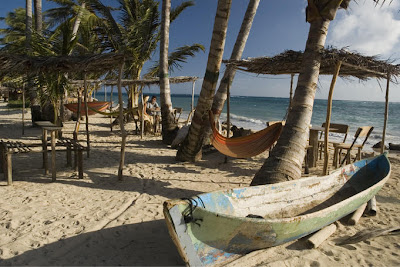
<point>175,59</point>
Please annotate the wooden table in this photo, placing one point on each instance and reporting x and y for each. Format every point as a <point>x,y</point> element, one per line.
<point>313,142</point>
<point>48,126</point>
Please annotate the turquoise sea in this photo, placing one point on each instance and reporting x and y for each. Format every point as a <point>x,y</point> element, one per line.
<point>254,112</point>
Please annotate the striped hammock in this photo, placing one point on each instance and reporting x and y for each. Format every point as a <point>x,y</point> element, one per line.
<point>245,146</point>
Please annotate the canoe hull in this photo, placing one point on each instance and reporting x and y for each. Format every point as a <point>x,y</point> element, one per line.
<point>205,237</point>
<point>92,107</point>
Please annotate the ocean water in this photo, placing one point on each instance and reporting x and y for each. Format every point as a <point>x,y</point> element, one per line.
<point>254,112</point>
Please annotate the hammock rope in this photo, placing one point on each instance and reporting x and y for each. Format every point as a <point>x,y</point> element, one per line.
<point>245,146</point>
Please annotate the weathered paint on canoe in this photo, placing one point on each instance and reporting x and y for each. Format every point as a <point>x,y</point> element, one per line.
<point>214,233</point>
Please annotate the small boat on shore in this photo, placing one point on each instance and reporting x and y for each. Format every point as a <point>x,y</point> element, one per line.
<point>217,227</point>
<point>92,107</point>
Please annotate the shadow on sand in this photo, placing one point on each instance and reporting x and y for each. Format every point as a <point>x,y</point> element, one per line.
<point>146,243</point>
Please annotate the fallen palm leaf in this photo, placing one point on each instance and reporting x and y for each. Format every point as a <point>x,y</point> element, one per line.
<point>368,234</point>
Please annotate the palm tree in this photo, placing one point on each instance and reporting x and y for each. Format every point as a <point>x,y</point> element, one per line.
<point>169,125</point>
<point>38,16</point>
<point>191,147</point>
<point>229,74</point>
<point>33,97</point>
<point>285,160</point>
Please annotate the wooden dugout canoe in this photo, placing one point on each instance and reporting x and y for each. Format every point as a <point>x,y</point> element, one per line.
<point>217,227</point>
<point>92,107</point>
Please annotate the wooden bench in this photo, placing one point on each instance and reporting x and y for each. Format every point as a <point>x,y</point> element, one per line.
<point>7,149</point>
<point>72,145</point>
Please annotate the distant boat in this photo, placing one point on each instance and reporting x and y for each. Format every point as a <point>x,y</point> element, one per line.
<point>92,107</point>
<point>218,227</point>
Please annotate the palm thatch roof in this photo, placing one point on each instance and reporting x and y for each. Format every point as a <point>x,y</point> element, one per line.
<point>142,82</point>
<point>21,64</point>
<point>289,62</point>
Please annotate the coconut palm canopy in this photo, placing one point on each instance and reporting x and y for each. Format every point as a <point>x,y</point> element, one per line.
<point>289,62</point>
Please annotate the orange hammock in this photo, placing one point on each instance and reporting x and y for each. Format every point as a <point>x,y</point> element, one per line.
<point>93,107</point>
<point>245,146</point>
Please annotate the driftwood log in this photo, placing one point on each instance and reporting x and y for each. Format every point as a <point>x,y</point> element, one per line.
<point>357,214</point>
<point>316,239</point>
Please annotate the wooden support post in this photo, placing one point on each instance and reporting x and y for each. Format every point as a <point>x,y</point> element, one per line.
<point>228,114</point>
<point>121,122</point>
<point>53,155</point>
<point>2,158</point>
<point>372,207</point>
<point>75,141</point>
<point>316,239</point>
<point>142,117</point>
<point>23,110</point>
<point>9,168</point>
<point>328,118</point>
<point>80,163</point>
<point>291,91</point>
<point>111,102</point>
<point>357,214</point>
<point>386,113</point>
<point>44,146</point>
<point>87,117</point>
<point>192,106</point>
<point>69,155</point>
<point>105,93</point>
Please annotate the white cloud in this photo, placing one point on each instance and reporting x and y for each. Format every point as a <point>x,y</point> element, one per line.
<point>367,28</point>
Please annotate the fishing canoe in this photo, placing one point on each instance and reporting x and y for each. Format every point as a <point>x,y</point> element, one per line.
<point>215,228</point>
<point>92,107</point>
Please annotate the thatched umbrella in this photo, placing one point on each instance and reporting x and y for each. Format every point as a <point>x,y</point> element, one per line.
<point>333,62</point>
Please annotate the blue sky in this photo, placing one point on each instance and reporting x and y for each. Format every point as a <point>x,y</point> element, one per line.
<point>280,25</point>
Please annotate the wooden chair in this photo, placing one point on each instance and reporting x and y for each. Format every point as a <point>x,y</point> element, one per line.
<point>365,132</point>
<point>334,128</point>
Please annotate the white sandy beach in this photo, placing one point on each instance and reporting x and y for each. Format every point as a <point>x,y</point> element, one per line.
<point>99,220</point>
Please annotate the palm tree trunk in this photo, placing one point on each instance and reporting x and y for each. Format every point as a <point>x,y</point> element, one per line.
<point>77,22</point>
<point>221,95</point>
<point>285,160</point>
<point>38,16</point>
<point>191,147</point>
<point>169,127</point>
<point>28,24</point>
<point>33,97</point>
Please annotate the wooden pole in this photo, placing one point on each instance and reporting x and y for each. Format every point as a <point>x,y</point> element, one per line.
<point>87,116</point>
<point>386,113</point>
<point>316,239</point>
<point>228,114</point>
<point>121,123</point>
<point>357,214</point>
<point>111,102</point>
<point>291,91</point>
<point>53,156</point>
<point>23,109</point>
<point>105,93</point>
<point>192,107</point>
<point>328,117</point>
<point>142,117</point>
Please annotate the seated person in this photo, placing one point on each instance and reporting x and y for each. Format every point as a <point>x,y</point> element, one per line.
<point>152,106</point>
<point>148,119</point>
